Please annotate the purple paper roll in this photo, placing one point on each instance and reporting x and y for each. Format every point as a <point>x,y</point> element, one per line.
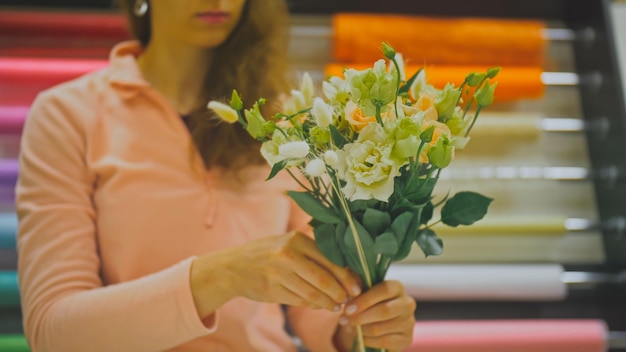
<point>12,119</point>
<point>8,173</point>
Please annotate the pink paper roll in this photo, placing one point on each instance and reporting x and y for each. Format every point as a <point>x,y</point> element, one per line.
<point>12,119</point>
<point>510,336</point>
<point>22,78</point>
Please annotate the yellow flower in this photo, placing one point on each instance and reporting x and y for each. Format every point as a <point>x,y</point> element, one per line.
<point>355,117</point>
<point>441,129</point>
<point>223,111</point>
<point>426,103</point>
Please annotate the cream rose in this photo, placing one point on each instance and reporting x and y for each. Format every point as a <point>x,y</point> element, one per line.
<point>367,166</point>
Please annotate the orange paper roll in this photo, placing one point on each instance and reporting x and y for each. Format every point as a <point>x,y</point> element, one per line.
<point>510,336</point>
<point>514,83</point>
<point>357,38</point>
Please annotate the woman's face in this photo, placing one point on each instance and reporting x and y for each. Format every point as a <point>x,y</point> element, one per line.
<point>203,23</point>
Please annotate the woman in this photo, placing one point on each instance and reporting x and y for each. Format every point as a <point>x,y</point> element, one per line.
<point>146,226</point>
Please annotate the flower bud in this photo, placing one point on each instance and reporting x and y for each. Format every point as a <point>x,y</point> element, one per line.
<point>331,158</point>
<point>388,51</point>
<point>307,88</point>
<point>322,112</point>
<point>223,111</point>
<point>296,150</point>
<point>316,168</point>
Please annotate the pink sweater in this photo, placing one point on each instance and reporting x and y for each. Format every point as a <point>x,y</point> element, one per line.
<point>114,203</point>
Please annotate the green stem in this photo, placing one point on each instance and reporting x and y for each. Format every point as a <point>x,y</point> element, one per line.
<point>299,182</point>
<point>414,165</point>
<point>379,119</point>
<point>290,117</point>
<point>433,224</point>
<point>241,119</point>
<point>357,240</point>
<point>395,63</point>
<point>473,121</point>
<point>471,100</point>
<point>361,254</point>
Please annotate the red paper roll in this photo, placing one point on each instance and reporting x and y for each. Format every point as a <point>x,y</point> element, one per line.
<point>67,24</point>
<point>510,336</point>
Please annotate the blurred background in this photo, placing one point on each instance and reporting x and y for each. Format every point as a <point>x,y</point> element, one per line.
<point>546,269</point>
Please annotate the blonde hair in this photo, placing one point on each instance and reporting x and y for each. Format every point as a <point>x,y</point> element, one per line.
<point>252,60</point>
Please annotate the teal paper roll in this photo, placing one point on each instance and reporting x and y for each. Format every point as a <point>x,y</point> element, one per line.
<point>13,343</point>
<point>8,229</point>
<point>9,290</point>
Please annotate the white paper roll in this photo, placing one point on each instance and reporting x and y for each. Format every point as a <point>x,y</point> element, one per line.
<point>481,282</point>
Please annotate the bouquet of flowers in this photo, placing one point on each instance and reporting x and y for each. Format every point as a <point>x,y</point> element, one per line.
<point>368,155</point>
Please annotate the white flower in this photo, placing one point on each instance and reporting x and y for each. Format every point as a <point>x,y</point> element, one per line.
<point>223,111</point>
<point>461,142</point>
<point>295,150</point>
<point>419,84</point>
<point>336,90</point>
<point>299,99</point>
<point>331,158</point>
<point>307,88</point>
<point>323,113</point>
<point>295,103</point>
<point>316,168</point>
<point>270,150</point>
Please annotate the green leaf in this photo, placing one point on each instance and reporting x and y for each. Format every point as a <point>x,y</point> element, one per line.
<point>400,225</point>
<point>327,244</point>
<point>428,241</point>
<point>419,192</point>
<point>338,139</point>
<point>410,235</point>
<point>235,101</point>
<point>465,208</point>
<point>405,88</point>
<point>314,207</point>
<point>276,168</point>
<point>427,213</point>
<point>376,221</point>
<point>386,244</point>
<point>367,243</point>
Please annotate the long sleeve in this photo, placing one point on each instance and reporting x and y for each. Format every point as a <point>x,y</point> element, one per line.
<point>65,305</point>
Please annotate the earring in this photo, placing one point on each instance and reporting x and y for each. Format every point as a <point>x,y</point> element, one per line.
<point>140,8</point>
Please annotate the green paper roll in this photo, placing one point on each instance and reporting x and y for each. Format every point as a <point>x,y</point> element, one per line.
<point>8,229</point>
<point>13,343</point>
<point>9,290</point>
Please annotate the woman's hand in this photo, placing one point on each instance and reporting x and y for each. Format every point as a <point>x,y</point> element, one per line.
<point>286,269</point>
<point>386,315</point>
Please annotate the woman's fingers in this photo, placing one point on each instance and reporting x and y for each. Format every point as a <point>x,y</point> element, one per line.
<point>398,325</point>
<point>386,315</point>
<point>310,295</point>
<point>382,312</point>
<point>321,281</point>
<point>382,298</point>
<point>342,275</point>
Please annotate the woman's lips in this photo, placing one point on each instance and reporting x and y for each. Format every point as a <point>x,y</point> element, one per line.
<point>213,17</point>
